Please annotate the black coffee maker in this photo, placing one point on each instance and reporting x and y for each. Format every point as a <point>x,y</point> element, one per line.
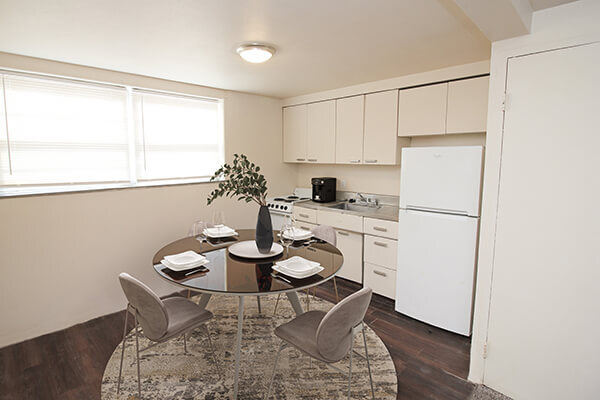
<point>323,189</point>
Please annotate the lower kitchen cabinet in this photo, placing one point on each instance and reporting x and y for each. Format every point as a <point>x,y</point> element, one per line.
<point>350,244</point>
<point>382,280</point>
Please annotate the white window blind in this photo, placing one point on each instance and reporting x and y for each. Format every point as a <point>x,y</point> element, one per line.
<point>61,132</point>
<point>177,136</point>
<point>57,132</point>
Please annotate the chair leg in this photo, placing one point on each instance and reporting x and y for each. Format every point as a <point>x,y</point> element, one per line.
<point>307,299</point>
<point>281,346</point>
<point>350,368</point>
<point>213,351</point>
<point>137,356</point>
<point>337,296</point>
<point>276,303</point>
<point>123,348</point>
<point>184,344</point>
<point>258,302</point>
<point>368,363</point>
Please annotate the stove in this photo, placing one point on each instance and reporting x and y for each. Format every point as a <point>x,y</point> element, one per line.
<point>284,204</point>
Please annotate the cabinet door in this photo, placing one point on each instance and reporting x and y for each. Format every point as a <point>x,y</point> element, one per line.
<point>467,105</point>
<point>350,245</point>
<point>349,129</point>
<point>294,133</point>
<point>381,123</point>
<point>321,133</point>
<point>422,110</point>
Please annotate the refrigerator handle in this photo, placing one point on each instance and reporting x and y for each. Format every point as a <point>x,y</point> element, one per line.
<point>437,210</point>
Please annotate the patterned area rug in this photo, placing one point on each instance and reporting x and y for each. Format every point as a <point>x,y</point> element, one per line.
<point>169,373</point>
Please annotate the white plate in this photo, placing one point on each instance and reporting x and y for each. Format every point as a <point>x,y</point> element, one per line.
<point>284,271</point>
<point>248,249</point>
<point>298,264</point>
<point>297,234</point>
<point>222,232</point>
<point>178,268</point>
<point>185,258</point>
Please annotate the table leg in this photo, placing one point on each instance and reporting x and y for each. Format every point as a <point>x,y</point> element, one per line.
<point>293,298</point>
<point>204,298</point>
<point>238,347</point>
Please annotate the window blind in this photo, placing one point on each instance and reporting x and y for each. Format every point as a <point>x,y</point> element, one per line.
<point>61,132</point>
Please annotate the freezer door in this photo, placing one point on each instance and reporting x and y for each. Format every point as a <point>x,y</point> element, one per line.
<point>436,268</point>
<point>441,178</point>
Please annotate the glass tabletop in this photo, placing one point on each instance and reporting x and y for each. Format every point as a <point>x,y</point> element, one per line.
<point>230,274</point>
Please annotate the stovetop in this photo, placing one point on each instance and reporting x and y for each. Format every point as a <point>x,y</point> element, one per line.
<point>284,204</point>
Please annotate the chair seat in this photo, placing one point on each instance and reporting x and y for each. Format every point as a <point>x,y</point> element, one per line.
<point>183,314</point>
<point>301,332</point>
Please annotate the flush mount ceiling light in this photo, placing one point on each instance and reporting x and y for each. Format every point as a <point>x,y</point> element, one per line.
<point>255,52</point>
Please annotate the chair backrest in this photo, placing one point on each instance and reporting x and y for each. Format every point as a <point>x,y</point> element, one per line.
<point>151,312</point>
<point>326,233</point>
<point>334,334</point>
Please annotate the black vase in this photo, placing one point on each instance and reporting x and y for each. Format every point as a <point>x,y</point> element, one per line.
<point>264,230</point>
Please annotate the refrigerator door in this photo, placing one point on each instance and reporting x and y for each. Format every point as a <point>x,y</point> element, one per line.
<point>446,179</point>
<point>436,268</point>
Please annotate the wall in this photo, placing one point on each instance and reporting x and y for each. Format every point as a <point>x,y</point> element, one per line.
<point>563,26</point>
<point>60,254</point>
<point>380,179</point>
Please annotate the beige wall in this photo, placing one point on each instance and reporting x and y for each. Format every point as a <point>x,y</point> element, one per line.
<point>553,349</point>
<point>60,254</point>
<point>379,179</point>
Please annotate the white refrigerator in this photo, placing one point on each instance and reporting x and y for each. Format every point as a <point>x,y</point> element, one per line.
<point>440,192</point>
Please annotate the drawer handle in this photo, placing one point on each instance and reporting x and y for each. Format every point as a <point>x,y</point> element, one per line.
<point>299,159</point>
<point>380,244</point>
<point>379,273</point>
<point>305,228</point>
<point>311,249</point>
<point>354,161</point>
<point>303,215</point>
<point>371,161</point>
<point>379,228</point>
<point>343,233</point>
<point>312,159</point>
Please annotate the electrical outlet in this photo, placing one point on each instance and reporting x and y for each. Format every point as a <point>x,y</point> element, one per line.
<point>342,183</point>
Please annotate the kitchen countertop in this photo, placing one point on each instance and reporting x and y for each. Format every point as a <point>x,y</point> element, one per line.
<point>385,212</point>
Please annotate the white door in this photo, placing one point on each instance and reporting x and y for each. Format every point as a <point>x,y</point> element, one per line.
<point>436,268</point>
<point>441,178</point>
<point>544,320</point>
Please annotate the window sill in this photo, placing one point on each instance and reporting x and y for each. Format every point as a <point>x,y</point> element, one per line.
<point>24,191</point>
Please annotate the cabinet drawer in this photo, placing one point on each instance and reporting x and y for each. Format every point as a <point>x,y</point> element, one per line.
<point>305,214</point>
<point>381,251</point>
<point>339,220</point>
<point>381,280</point>
<point>380,227</point>
<point>305,225</point>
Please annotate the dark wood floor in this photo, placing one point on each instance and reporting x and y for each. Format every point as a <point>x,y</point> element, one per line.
<point>430,363</point>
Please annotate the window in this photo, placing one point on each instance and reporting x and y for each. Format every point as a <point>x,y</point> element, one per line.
<point>56,132</point>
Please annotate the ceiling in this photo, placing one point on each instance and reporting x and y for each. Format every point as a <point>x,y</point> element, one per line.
<point>320,44</point>
<point>541,4</point>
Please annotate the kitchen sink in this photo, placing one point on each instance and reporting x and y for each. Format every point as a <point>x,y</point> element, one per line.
<point>354,207</point>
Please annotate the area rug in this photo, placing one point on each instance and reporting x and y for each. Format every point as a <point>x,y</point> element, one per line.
<point>169,373</point>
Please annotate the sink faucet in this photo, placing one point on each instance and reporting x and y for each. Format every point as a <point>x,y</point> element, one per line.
<point>367,201</point>
<point>361,197</point>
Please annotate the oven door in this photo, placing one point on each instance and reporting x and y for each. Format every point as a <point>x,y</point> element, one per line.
<point>278,219</point>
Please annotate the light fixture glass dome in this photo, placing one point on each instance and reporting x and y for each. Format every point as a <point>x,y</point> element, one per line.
<point>255,52</point>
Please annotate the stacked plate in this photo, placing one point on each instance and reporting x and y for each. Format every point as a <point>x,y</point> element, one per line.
<point>297,234</point>
<point>184,261</point>
<point>298,267</point>
<point>219,231</point>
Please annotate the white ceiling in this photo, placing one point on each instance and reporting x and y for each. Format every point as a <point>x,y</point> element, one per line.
<point>321,44</point>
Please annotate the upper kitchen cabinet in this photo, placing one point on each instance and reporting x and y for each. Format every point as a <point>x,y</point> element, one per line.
<point>350,117</point>
<point>380,145</point>
<point>295,124</point>
<point>321,132</point>
<point>467,105</point>
<point>422,110</point>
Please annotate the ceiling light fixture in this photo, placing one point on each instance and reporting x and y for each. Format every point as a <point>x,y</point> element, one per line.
<point>255,52</point>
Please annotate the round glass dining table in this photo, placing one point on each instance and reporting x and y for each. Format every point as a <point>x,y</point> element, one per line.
<point>229,274</point>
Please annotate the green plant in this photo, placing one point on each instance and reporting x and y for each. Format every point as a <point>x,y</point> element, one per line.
<point>241,179</point>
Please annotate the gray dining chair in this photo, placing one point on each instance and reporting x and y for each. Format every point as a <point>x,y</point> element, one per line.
<point>160,320</point>
<point>328,337</point>
<point>327,234</point>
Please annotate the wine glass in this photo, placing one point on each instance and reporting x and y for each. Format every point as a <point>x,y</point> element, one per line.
<point>218,219</point>
<point>287,237</point>
<point>198,230</point>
